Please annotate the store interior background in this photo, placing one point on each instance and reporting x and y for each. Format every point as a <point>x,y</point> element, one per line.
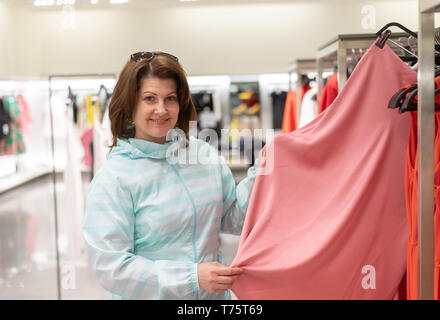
<point>218,42</point>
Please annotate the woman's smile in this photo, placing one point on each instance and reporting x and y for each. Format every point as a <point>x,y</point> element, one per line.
<point>160,122</point>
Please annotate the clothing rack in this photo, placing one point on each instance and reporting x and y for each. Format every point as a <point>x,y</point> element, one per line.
<point>218,85</point>
<point>16,86</point>
<point>425,127</point>
<point>337,51</point>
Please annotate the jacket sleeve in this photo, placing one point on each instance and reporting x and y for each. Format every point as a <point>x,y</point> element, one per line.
<point>235,198</point>
<point>108,230</point>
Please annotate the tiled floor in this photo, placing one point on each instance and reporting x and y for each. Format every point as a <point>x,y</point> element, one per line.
<point>28,268</point>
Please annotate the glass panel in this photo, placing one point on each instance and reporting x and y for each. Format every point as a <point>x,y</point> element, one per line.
<point>75,115</point>
<point>27,228</point>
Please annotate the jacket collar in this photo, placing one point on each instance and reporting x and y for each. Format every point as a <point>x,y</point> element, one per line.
<point>139,148</point>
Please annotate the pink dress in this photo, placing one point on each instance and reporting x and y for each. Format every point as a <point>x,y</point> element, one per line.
<point>329,222</point>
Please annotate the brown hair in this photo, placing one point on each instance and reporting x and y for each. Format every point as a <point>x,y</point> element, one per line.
<point>125,93</point>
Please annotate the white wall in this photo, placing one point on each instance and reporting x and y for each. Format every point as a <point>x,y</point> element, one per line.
<point>209,39</point>
<point>7,37</point>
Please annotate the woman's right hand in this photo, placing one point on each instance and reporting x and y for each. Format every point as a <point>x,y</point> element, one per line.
<point>215,277</point>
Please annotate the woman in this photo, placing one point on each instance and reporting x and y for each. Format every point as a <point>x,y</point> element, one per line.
<point>152,223</point>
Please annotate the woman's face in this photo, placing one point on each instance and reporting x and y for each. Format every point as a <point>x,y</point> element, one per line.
<point>156,110</point>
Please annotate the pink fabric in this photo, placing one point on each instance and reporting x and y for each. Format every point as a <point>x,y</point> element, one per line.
<point>87,140</point>
<point>334,204</point>
<point>25,117</point>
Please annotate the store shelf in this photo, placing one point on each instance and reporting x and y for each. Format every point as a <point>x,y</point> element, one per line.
<point>17,179</point>
<point>336,51</point>
<point>429,6</point>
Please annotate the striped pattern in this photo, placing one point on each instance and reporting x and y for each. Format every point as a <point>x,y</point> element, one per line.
<point>148,222</point>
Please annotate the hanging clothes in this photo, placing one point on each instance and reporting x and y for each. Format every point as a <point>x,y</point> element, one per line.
<point>304,90</point>
<point>326,218</point>
<point>25,117</point>
<point>13,142</point>
<point>92,101</point>
<point>74,203</point>
<point>102,140</point>
<point>87,142</point>
<point>290,113</point>
<point>309,108</point>
<point>4,121</point>
<point>411,189</point>
<point>278,104</point>
<point>290,116</point>
<point>329,93</point>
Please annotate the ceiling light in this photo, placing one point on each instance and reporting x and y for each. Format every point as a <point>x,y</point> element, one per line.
<point>48,3</point>
<point>44,2</point>
<point>65,2</point>
<point>118,1</point>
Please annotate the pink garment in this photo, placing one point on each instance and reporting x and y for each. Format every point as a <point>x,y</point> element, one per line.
<point>25,117</point>
<point>329,222</point>
<point>87,140</point>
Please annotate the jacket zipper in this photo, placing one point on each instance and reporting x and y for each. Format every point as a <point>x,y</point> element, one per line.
<point>195,221</point>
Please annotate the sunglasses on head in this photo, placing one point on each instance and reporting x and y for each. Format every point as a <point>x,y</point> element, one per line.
<point>150,55</point>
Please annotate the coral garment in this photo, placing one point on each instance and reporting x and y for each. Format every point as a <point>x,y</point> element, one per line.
<point>411,189</point>
<point>290,114</point>
<point>329,222</point>
<point>329,93</point>
<point>290,119</point>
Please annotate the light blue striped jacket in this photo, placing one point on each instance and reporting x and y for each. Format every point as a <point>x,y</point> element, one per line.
<point>149,221</point>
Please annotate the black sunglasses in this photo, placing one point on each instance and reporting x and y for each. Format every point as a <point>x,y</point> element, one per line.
<point>150,55</point>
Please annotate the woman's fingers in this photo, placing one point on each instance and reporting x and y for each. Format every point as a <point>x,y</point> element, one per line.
<point>221,288</point>
<point>226,280</point>
<point>226,271</point>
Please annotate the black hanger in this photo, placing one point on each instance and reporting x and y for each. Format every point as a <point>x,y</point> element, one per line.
<point>409,105</point>
<point>396,24</point>
<point>102,87</point>
<point>398,98</point>
<point>70,94</point>
<point>384,33</point>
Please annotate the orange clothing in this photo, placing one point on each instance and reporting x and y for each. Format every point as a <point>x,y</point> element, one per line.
<point>329,93</point>
<point>411,210</point>
<point>411,186</point>
<point>290,119</point>
<point>289,115</point>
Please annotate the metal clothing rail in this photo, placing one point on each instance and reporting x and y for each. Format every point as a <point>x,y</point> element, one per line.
<point>63,77</point>
<point>337,51</point>
<point>425,125</point>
